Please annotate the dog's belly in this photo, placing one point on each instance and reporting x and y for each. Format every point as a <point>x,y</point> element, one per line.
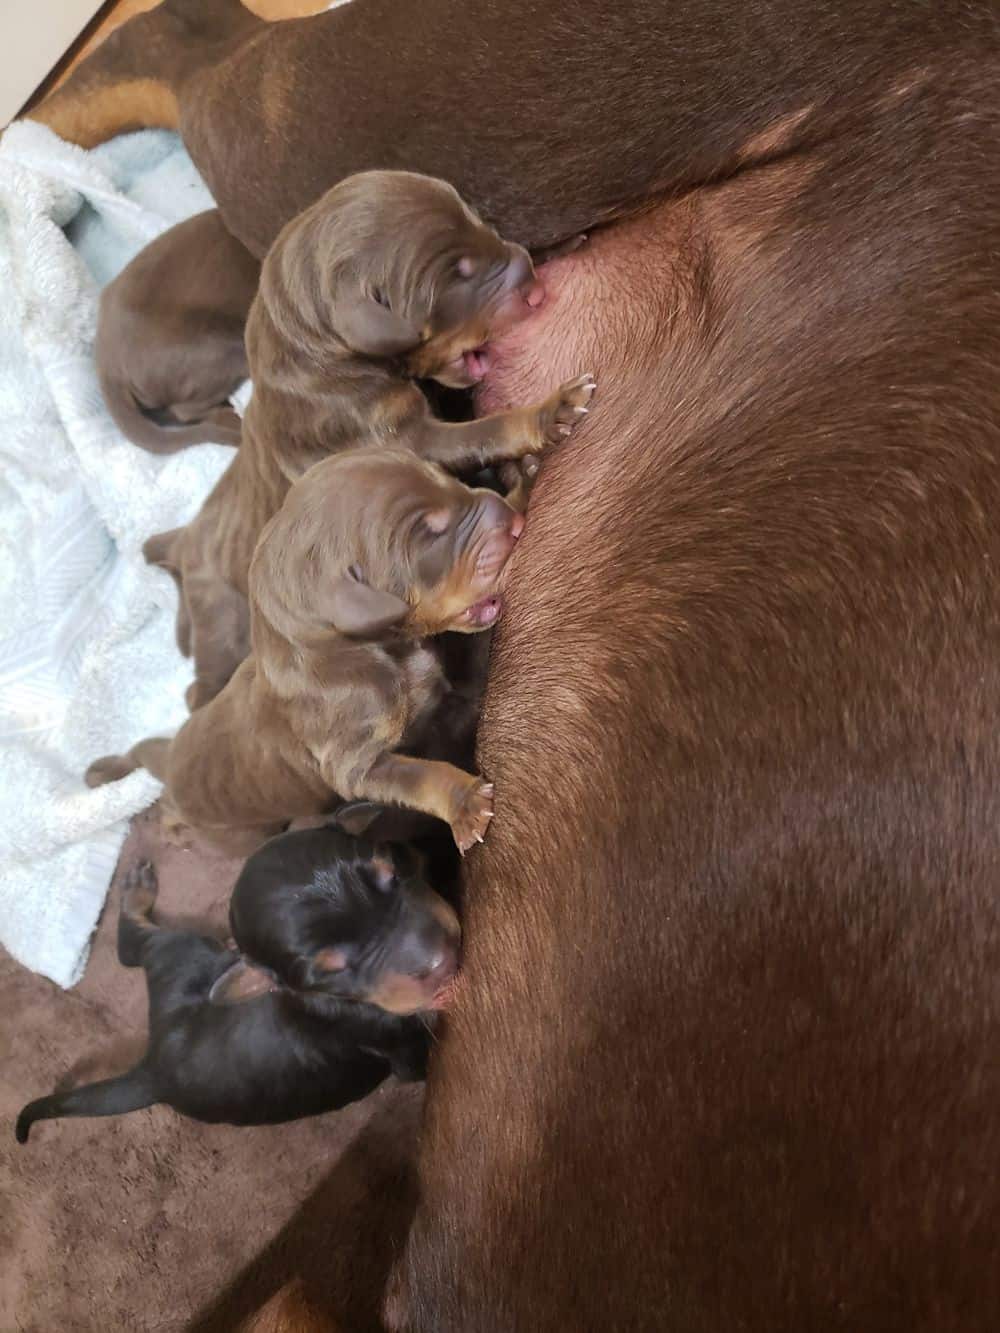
<point>741,881</point>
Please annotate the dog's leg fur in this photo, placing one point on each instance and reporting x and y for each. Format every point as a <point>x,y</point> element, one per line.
<point>509,435</point>
<point>218,617</point>
<point>150,754</point>
<point>435,788</point>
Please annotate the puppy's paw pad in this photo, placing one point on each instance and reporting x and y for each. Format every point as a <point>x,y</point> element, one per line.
<point>473,818</point>
<point>567,408</point>
<point>139,888</point>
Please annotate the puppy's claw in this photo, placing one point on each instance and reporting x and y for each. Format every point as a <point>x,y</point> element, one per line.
<point>564,410</point>
<point>472,819</point>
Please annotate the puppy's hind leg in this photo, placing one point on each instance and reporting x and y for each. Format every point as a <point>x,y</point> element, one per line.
<point>149,754</point>
<point>162,551</point>
<point>135,920</point>
<point>219,618</point>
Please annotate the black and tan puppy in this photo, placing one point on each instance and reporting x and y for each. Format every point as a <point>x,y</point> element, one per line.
<point>387,279</point>
<point>350,950</point>
<point>373,552</point>
<point>170,347</point>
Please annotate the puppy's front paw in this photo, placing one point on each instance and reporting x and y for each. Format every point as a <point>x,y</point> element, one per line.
<point>139,889</point>
<point>473,817</point>
<point>567,407</point>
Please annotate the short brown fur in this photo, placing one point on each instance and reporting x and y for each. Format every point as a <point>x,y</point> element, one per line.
<point>357,297</point>
<point>170,348</point>
<point>348,582</point>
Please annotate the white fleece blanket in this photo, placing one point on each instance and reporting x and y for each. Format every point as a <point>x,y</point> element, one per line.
<point>88,662</point>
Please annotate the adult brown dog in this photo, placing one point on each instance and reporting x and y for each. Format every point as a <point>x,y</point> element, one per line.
<point>388,278</point>
<point>169,345</point>
<point>372,553</point>
<point>725,1051</point>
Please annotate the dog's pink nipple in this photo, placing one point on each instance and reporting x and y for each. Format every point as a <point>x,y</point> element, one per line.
<point>535,295</point>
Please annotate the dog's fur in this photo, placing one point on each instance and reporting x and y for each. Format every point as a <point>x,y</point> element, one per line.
<point>389,277</point>
<point>577,128</point>
<point>169,346</point>
<point>342,949</point>
<point>373,552</point>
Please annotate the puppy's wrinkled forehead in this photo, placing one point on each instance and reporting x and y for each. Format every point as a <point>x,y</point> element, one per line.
<point>406,232</point>
<point>378,506</point>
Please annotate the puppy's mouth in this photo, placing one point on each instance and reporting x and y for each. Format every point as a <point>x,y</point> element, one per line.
<point>476,362</point>
<point>444,995</point>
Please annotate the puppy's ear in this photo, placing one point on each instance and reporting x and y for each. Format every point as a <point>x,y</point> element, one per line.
<point>360,611</point>
<point>242,981</point>
<point>373,329</point>
<point>384,823</point>
<point>356,816</point>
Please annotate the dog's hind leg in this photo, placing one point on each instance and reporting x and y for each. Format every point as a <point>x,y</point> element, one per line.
<point>219,622</point>
<point>162,550</point>
<point>131,80</point>
<point>150,754</point>
<point>135,920</point>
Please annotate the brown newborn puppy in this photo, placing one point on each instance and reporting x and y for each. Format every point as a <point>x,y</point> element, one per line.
<point>170,328</point>
<point>388,278</point>
<point>372,552</point>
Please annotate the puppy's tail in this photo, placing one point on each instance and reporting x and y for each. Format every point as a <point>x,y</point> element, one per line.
<point>160,431</point>
<point>149,754</point>
<point>112,1096</point>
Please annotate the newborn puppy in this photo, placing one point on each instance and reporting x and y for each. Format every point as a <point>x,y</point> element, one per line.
<point>351,946</point>
<point>170,328</point>
<point>387,279</point>
<point>372,552</point>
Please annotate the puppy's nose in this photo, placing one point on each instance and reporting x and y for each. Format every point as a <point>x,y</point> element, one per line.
<point>520,269</point>
<point>497,513</point>
<point>520,276</point>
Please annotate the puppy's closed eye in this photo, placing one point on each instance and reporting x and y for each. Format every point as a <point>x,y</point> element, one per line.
<point>331,960</point>
<point>437,521</point>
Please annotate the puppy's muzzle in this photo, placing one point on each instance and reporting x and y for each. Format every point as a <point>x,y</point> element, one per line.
<point>499,526</point>
<point>520,292</point>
